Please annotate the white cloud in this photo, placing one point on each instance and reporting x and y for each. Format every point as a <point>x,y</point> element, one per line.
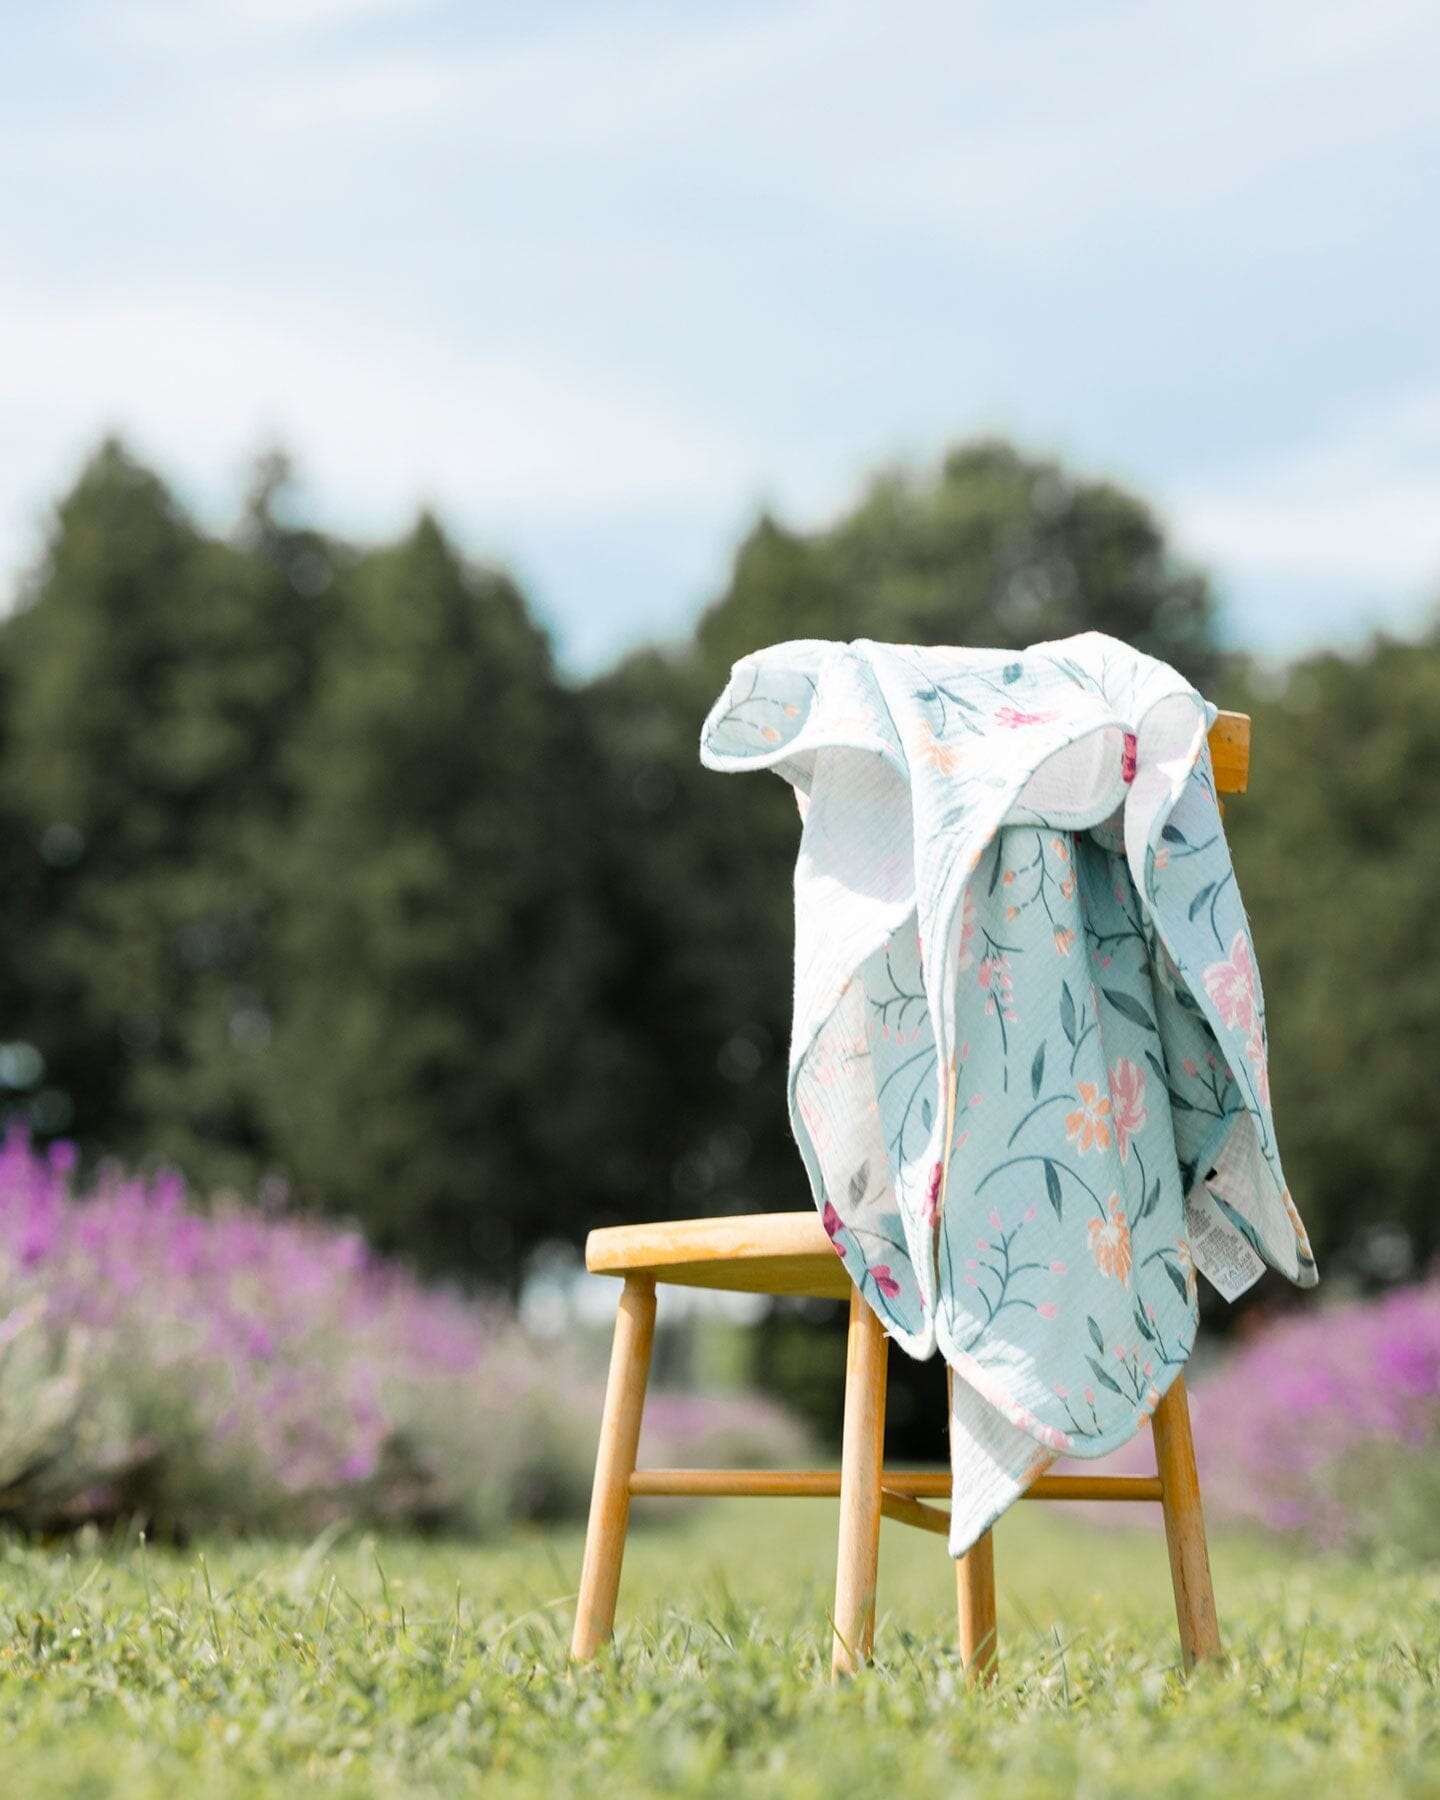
<point>381,420</point>
<point>672,258</point>
<point>171,25</point>
<point>1362,505</point>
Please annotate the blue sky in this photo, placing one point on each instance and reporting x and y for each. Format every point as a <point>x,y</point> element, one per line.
<point>600,281</point>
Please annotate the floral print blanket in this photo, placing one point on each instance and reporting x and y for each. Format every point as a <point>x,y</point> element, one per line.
<point>1028,1067</point>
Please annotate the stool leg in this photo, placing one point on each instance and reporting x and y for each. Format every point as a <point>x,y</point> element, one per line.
<point>1185,1527</point>
<point>614,1465</point>
<point>975,1592</point>
<point>975,1598</point>
<point>862,1461</point>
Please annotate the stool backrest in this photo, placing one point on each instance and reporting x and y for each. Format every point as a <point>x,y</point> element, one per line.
<point>1230,752</point>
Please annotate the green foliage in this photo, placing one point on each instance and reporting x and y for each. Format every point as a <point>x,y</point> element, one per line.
<point>154,677</point>
<point>363,1666</point>
<point>426,892</point>
<point>312,864</point>
<point>993,548</point>
<point>1334,845</point>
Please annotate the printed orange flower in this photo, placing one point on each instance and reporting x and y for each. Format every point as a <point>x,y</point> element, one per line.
<point>1086,1127</point>
<point>1064,938</point>
<point>943,758</point>
<point>1187,1265</point>
<point>1110,1243</point>
<point>1302,1237</point>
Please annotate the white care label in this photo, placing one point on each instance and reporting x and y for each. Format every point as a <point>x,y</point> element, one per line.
<point>1219,1251</point>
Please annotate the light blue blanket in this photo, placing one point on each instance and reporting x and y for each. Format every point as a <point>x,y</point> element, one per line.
<point>1028,1066</point>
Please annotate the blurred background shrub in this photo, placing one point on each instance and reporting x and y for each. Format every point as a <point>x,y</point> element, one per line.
<point>1323,1426</point>
<point>240,1368</point>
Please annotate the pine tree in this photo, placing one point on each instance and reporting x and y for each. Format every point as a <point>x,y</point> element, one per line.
<point>155,675</point>
<point>420,1052</point>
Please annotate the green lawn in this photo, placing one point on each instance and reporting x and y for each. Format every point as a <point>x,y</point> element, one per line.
<point>358,1666</point>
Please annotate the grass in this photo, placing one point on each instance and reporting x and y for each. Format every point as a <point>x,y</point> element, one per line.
<point>361,1666</point>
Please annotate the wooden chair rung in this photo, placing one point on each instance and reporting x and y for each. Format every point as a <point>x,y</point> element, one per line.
<point>906,1511</point>
<point>910,1484</point>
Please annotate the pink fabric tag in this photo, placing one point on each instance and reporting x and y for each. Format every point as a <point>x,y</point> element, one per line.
<point>1127,765</point>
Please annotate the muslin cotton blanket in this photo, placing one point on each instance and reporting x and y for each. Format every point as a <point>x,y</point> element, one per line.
<point>1028,1065</point>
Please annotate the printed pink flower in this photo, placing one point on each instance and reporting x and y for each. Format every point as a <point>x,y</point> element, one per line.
<point>1129,758</point>
<point>833,1224</point>
<point>965,956</point>
<point>1013,719</point>
<point>932,1194</point>
<point>1255,1050</point>
<point>1127,1103</point>
<point>1047,1309</point>
<point>1110,1243</point>
<point>1231,984</point>
<point>1086,1127</point>
<point>885,1281</point>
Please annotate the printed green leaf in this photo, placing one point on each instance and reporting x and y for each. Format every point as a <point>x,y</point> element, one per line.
<point>1067,1013</point>
<point>1012,673</point>
<point>1156,1064</point>
<point>859,1181</point>
<point>1201,898</point>
<point>1105,1378</point>
<point>1129,1008</point>
<point>1052,1187</point>
<point>927,1113</point>
<point>1097,1336</point>
<point>1037,1071</point>
<point>1143,1325</point>
<point>1172,834</point>
<point>1182,1287</point>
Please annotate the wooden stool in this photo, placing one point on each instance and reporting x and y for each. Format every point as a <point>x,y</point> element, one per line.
<point>789,1253</point>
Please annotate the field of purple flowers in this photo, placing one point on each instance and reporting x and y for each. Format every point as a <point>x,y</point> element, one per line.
<point>235,1365</point>
<point>1326,1424</point>
<point>1323,1426</point>
<point>240,1365</point>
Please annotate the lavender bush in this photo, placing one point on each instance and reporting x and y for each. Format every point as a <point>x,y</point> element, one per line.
<point>1325,1426</point>
<point>238,1366</point>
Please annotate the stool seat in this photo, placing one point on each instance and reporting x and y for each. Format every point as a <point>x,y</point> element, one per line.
<point>752,1253</point>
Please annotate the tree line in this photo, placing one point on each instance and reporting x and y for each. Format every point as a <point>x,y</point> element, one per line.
<point>318,870</point>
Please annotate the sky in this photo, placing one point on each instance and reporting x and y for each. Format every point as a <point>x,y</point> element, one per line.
<point>601,281</point>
